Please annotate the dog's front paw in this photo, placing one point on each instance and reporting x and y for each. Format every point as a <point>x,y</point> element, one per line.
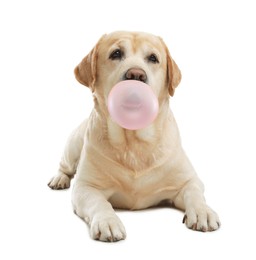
<point>107,229</point>
<point>202,219</point>
<point>59,182</point>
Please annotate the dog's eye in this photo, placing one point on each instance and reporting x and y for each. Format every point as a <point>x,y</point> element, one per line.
<point>153,58</point>
<point>116,55</point>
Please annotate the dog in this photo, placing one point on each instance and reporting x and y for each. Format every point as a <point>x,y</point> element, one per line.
<point>130,169</point>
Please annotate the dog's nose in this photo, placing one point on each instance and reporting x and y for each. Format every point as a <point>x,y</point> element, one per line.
<point>136,74</point>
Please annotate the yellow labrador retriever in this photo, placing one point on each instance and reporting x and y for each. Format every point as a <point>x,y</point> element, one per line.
<point>130,169</point>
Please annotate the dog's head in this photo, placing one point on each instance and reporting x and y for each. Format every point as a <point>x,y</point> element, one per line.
<point>129,55</point>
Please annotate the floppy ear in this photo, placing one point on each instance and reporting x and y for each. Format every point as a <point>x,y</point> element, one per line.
<point>85,71</point>
<point>173,73</point>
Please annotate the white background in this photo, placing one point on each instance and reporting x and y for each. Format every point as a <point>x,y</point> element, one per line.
<point>213,42</point>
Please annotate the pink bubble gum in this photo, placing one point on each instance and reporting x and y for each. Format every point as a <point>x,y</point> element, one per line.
<point>132,104</point>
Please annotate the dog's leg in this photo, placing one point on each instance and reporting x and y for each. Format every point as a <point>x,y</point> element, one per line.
<point>198,216</point>
<point>92,206</point>
<point>69,159</point>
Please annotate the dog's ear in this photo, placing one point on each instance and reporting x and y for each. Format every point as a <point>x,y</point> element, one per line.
<point>173,73</point>
<point>85,71</point>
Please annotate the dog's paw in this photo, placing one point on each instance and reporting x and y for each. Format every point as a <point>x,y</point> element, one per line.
<point>59,182</point>
<point>202,219</point>
<point>108,229</point>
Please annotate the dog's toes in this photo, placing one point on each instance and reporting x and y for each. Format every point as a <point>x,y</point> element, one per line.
<point>201,219</point>
<point>59,182</point>
<point>108,229</point>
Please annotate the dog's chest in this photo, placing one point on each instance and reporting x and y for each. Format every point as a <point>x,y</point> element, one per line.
<point>135,159</point>
<point>138,192</point>
<point>135,150</point>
